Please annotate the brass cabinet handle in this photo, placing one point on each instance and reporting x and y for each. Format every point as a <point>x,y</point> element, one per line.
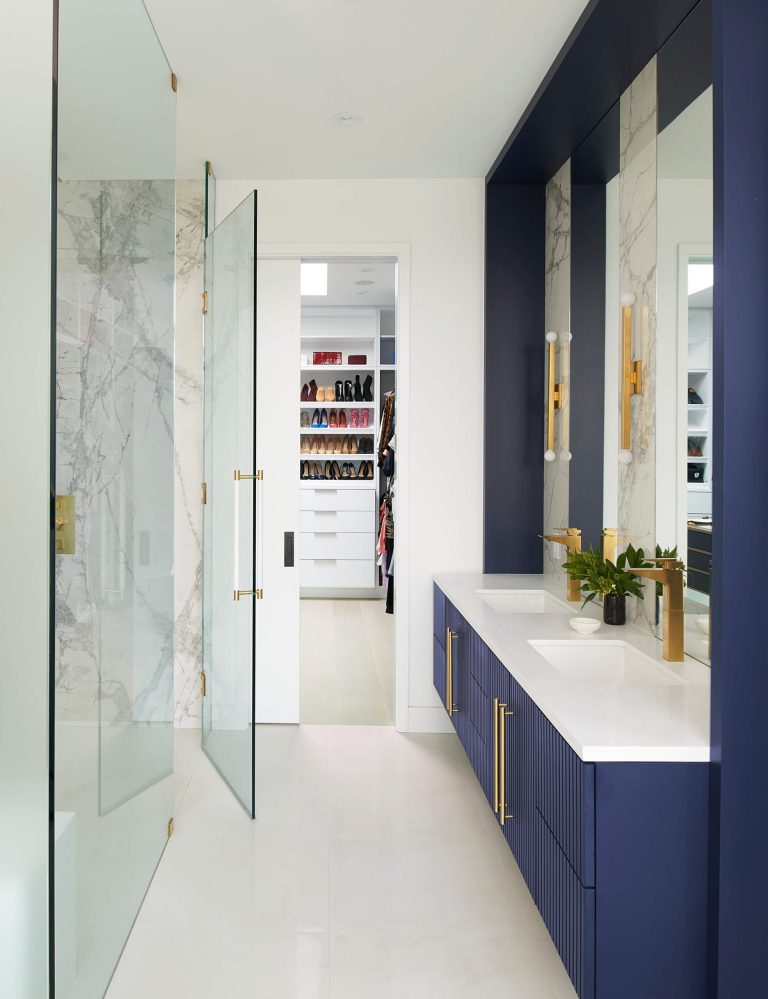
<point>554,396</point>
<point>631,376</point>
<point>501,714</point>
<point>495,756</point>
<point>449,705</point>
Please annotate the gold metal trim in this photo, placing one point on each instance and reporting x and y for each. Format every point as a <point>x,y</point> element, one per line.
<point>170,828</point>
<point>259,474</point>
<point>502,714</point>
<point>241,476</point>
<point>204,493</point>
<point>203,686</point>
<point>208,168</point>
<point>259,594</point>
<point>495,756</point>
<point>174,83</point>
<point>554,392</point>
<point>64,525</point>
<point>205,303</point>
<point>632,372</point>
<point>449,705</point>
<point>245,593</point>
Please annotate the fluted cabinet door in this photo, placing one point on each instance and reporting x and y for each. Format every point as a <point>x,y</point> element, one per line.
<point>438,668</point>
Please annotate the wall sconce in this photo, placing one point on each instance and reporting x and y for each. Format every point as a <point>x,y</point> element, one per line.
<point>631,377</point>
<point>557,395</point>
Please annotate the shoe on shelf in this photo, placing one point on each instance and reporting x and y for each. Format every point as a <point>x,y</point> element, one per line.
<point>367,389</point>
<point>320,394</point>
<point>304,444</point>
<point>335,470</point>
<point>313,445</point>
<point>327,473</point>
<point>338,390</point>
<point>345,445</point>
<point>333,420</point>
<point>330,394</point>
<point>355,418</point>
<point>312,391</point>
<point>358,389</point>
<point>353,448</point>
<point>694,399</point>
<point>337,441</point>
<point>345,470</point>
<point>324,418</point>
<point>304,419</point>
<point>305,393</point>
<point>304,469</point>
<point>316,418</point>
<point>343,419</point>
<point>348,395</point>
<point>364,419</point>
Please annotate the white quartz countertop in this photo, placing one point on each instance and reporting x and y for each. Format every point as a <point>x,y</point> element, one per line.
<point>601,722</point>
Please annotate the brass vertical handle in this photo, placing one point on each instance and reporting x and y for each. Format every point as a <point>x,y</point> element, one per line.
<point>554,398</point>
<point>502,713</point>
<point>495,756</point>
<point>449,705</point>
<point>631,377</point>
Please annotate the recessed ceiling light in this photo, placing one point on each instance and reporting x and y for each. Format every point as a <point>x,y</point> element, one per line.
<point>363,293</point>
<point>366,270</point>
<point>314,279</point>
<point>347,118</point>
<point>365,282</point>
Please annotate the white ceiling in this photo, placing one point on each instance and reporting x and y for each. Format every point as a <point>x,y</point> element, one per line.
<point>345,285</point>
<point>440,83</point>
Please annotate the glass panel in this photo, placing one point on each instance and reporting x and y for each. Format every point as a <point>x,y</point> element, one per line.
<point>229,565</point>
<point>210,199</point>
<point>115,275</point>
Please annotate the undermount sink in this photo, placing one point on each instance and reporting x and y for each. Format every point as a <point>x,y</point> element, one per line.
<point>522,602</point>
<point>607,663</point>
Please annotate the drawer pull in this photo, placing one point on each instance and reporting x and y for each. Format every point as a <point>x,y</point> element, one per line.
<point>495,756</point>
<point>449,705</point>
<point>502,713</point>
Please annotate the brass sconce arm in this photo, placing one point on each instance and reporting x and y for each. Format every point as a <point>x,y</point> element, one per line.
<point>631,377</point>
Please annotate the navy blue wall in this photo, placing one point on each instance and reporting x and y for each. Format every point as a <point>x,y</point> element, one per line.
<point>514,378</point>
<point>740,668</point>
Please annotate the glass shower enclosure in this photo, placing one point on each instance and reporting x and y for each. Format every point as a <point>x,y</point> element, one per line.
<point>112,683</point>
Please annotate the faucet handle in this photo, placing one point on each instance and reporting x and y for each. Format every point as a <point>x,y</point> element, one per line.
<point>668,563</point>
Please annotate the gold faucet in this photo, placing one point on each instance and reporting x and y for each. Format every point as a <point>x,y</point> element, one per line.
<point>571,538</point>
<point>670,575</point>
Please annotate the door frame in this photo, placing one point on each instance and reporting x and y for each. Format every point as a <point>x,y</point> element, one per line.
<point>402,254</point>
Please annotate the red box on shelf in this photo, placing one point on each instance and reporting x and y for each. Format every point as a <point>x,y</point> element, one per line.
<point>358,358</point>
<point>326,357</point>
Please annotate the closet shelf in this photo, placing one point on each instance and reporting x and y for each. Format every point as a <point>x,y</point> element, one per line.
<point>349,431</point>
<point>698,432</point>
<point>322,455</point>
<point>702,457</point>
<point>336,405</point>
<point>698,407</point>
<point>338,367</point>
<point>387,367</point>
<point>341,338</point>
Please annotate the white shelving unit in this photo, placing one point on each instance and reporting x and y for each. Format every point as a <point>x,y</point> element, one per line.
<point>339,517</point>
<point>699,419</point>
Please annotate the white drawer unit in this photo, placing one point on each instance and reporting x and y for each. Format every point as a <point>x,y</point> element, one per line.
<point>341,573</point>
<point>331,544</point>
<point>343,498</point>
<point>338,520</point>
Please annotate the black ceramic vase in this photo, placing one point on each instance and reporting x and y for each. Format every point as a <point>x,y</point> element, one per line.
<point>614,609</point>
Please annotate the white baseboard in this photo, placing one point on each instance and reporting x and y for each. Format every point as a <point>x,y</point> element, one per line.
<point>433,720</point>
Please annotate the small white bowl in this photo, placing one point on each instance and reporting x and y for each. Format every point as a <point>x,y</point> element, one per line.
<point>702,623</point>
<point>584,625</point>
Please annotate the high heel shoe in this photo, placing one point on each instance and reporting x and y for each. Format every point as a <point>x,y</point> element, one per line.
<point>304,444</point>
<point>304,419</point>
<point>313,446</point>
<point>327,472</point>
<point>339,390</point>
<point>316,418</point>
<point>367,393</point>
<point>358,389</point>
<point>335,470</point>
<point>304,469</point>
<point>324,418</point>
<point>337,442</point>
<point>305,393</point>
<point>312,391</point>
<point>330,394</point>
<point>353,449</point>
<point>355,418</point>
<point>345,445</point>
<point>364,419</point>
<point>333,420</point>
<point>320,394</point>
<point>343,419</point>
<point>345,470</point>
<point>348,396</point>
<point>353,472</point>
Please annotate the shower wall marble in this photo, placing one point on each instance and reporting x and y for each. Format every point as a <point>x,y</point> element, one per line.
<point>114,441</point>
<point>557,319</point>
<point>188,538</point>
<point>637,275</point>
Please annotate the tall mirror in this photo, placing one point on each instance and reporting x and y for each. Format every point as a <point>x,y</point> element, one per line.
<point>684,454</point>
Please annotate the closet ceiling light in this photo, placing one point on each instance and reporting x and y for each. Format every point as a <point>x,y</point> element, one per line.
<point>347,118</point>
<point>314,279</point>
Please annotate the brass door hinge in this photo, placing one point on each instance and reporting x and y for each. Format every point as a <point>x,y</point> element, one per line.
<point>170,828</point>
<point>174,82</point>
<point>208,168</point>
<point>259,594</point>
<point>204,493</point>
<point>202,684</point>
<point>205,303</point>
<point>64,533</point>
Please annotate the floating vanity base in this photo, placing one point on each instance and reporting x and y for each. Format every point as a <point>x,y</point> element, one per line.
<point>613,853</point>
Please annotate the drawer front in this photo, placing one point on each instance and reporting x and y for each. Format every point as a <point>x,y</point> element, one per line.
<point>438,668</point>
<point>352,573</point>
<point>334,545</point>
<point>568,911</point>
<point>338,499</point>
<point>565,797</point>
<point>341,521</point>
<point>700,561</point>
<point>698,581</point>
<point>700,539</point>
<point>438,614</point>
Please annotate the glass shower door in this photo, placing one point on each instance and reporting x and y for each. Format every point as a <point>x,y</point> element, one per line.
<point>230,516</point>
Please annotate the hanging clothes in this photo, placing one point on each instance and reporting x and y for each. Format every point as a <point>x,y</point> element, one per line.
<point>387,431</point>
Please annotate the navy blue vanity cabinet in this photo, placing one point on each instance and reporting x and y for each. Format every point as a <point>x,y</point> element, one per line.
<point>438,643</point>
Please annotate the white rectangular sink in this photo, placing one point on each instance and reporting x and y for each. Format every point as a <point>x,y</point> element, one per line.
<point>522,602</point>
<point>607,663</point>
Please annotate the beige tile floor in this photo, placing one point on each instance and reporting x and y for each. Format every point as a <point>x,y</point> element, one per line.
<point>347,663</point>
<point>374,870</point>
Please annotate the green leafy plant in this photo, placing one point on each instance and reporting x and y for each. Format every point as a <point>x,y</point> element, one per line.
<point>601,577</point>
<point>665,553</point>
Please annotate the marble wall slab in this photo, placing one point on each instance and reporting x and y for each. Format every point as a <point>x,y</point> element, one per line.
<point>637,275</point>
<point>188,521</point>
<point>557,319</point>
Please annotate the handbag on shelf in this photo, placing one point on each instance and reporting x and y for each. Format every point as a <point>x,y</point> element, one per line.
<point>358,358</point>
<point>326,357</point>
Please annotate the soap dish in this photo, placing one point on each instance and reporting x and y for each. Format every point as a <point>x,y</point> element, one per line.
<point>584,625</point>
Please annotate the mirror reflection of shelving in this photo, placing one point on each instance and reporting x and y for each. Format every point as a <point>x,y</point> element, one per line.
<point>699,429</point>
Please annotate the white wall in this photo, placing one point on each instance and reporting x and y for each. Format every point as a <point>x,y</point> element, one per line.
<point>25,337</point>
<point>685,216</point>
<point>442,221</point>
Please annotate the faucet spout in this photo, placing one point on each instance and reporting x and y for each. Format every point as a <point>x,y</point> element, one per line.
<point>570,538</point>
<point>670,574</point>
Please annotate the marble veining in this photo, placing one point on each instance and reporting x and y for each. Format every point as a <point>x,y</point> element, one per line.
<point>637,270</point>
<point>188,526</point>
<point>557,318</point>
<point>114,441</point>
